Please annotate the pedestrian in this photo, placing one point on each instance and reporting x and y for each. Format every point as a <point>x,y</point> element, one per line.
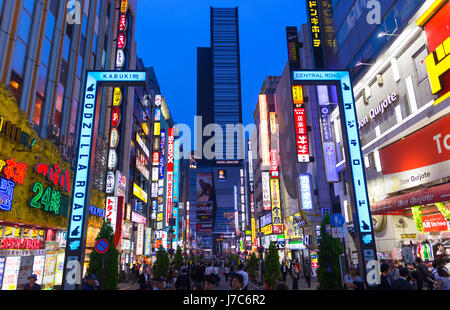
<point>416,281</point>
<point>158,284</point>
<point>284,269</point>
<point>89,283</point>
<point>216,274</point>
<point>237,282</point>
<point>295,275</point>
<point>244,275</point>
<point>183,282</point>
<point>443,279</point>
<point>385,280</point>
<point>263,270</point>
<point>394,273</point>
<point>144,279</point>
<point>226,272</point>
<point>231,273</point>
<point>352,281</point>
<point>32,285</point>
<point>210,283</point>
<point>426,275</point>
<point>307,272</point>
<point>402,282</point>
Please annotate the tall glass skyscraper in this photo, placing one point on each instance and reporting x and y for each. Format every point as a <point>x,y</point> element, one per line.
<point>219,103</point>
<point>219,87</point>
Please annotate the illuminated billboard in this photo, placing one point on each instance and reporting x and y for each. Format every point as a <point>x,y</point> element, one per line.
<point>264,130</point>
<point>81,191</point>
<point>266,190</point>
<point>352,147</point>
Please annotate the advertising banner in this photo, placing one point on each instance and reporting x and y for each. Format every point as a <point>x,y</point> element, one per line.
<point>148,242</point>
<point>434,223</point>
<point>264,130</point>
<point>204,187</point>
<point>277,221</point>
<point>266,190</point>
<point>403,166</point>
<point>204,212</point>
<point>111,211</point>
<point>304,181</point>
<point>121,184</point>
<point>140,239</point>
<point>11,273</point>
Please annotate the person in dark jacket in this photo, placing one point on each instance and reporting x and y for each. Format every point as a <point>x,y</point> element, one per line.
<point>32,285</point>
<point>284,270</point>
<point>385,281</point>
<point>402,282</point>
<point>90,284</point>
<point>144,279</point>
<point>183,281</point>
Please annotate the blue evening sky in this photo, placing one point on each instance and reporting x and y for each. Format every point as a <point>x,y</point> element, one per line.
<point>168,33</point>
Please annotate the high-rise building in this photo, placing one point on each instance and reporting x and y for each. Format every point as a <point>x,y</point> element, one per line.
<point>219,83</point>
<point>219,171</point>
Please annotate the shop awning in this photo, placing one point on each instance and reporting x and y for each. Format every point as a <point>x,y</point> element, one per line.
<point>440,193</point>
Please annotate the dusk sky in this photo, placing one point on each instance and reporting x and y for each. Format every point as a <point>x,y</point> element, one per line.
<point>168,33</point>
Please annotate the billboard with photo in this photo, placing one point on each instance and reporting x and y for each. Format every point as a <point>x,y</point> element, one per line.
<point>204,186</point>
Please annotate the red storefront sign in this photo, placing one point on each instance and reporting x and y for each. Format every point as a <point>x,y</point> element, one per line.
<point>437,29</point>
<point>121,41</point>
<point>434,194</point>
<point>115,119</point>
<point>434,223</point>
<point>428,146</point>
<point>302,145</point>
<point>300,121</point>
<point>21,244</point>
<point>122,23</point>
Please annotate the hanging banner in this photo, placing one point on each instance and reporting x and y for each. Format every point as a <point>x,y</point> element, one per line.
<point>266,190</point>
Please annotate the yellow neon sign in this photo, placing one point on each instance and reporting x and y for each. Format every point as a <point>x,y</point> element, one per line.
<point>438,63</point>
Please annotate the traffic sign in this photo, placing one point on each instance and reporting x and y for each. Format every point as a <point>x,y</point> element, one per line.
<point>337,220</point>
<point>101,246</point>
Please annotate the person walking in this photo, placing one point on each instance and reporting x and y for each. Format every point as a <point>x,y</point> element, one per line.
<point>32,285</point>
<point>237,282</point>
<point>295,275</point>
<point>352,281</point>
<point>89,284</point>
<point>402,282</point>
<point>183,281</point>
<point>210,283</point>
<point>385,280</point>
<point>216,274</point>
<point>263,270</point>
<point>227,270</point>
<point>144,279</point>
<point>284,269</point>
<point>443,279</point>
<point>426,275</point>
<point>307,272</point>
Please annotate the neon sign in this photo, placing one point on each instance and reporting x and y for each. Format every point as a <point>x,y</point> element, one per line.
<point>49,199</point>
<point>14,171</point>
<point>81,191</point>
<point>6,194</point>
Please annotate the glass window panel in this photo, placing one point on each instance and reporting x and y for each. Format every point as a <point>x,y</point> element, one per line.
<point>29,5</point>
<point>46,49</point>
<point>25,25</point>
<point>19,57</point>
<point>66,48</point>
<point>50,26</point>
<point>37,110</point>
<point>42,77</point>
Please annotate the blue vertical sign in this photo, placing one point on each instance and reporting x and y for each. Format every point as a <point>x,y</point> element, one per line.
<point>175,216</point>
<point>354,161</point>
<point>76,234</point>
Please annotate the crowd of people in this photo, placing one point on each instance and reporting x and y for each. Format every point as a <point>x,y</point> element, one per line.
<point>397,276</point>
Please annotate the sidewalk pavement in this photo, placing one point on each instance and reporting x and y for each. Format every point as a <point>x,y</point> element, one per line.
<point>128,286</point>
